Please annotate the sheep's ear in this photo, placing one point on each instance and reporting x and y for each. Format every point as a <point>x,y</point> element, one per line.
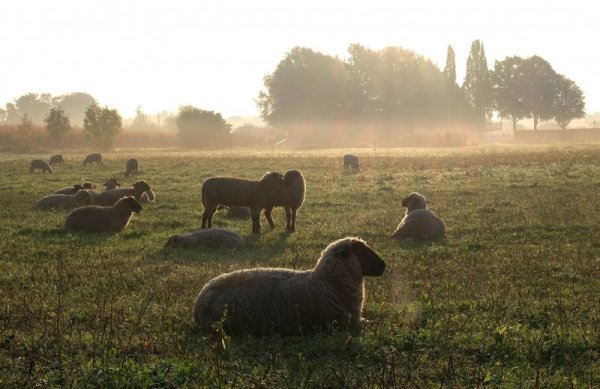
<point>370,263</point>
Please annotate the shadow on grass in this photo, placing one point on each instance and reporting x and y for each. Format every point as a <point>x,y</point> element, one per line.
<point>411,244</point>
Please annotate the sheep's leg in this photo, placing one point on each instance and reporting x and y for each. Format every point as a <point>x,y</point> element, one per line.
<point>255,220</point>
<point>293,226</point>
<point>288,218</point>
<point>207,217</point>
<point>268,216</point>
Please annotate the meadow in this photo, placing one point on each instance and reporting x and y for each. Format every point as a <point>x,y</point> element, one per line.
<point>511,298</point>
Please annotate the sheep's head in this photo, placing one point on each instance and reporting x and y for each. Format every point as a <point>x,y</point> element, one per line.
<point>76,188</point>
<point>141,185</point>
<point>414,201</point>
<point>111,184</point>
<point>88,185</point>
<point>131,203</point>
<point>292,175</point>
<point>354,256</point>
<point>173,241</point>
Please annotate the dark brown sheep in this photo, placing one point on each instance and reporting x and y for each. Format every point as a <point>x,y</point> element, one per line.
<point>290,196</point>
<point>131,167</point>
<point>351,161</point>
<point>91,158</point>
<point>110,197</point>
<point>40,164</point>
<point>57,160</point>
<point>111,218</point>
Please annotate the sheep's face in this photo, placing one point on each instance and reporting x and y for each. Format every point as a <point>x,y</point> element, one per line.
<point>291,176</point>
<point>415,201</point>
<point>133,204</point>
<point>88,185</point>
<point>143,185</point>
<point>76,188</point>
<point>359,258</point>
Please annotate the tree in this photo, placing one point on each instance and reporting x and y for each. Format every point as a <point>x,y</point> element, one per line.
<point>26,128</point>
<point>509,85</point>
<point>450,68</point>
<point>75,105</point>
<point>57,124</point>
<point>3,115</point>
<point>101,126</point>
<point>199,128</point>
<point>140,122</point>
<point>540,79</point>
<point>477,86</point>
<point>35,106</point>
<point>568,103</point>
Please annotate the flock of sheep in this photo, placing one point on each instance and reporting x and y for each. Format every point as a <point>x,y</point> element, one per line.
<point>258,301</point>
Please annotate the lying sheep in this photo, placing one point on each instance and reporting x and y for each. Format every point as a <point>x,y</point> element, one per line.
<point>208,237</point>
<point>89,185</point>
<point>64,201</point>
<point>236,212</point>
<point>69,190</point>
<point>229,191</point>
<point>57,159</point>
<point>40,164</point>
<point>111,184</point>
<point>91,158</point>
<point>110,197</point>
<point>131,167</point>
<point>351,161</point>
<point>290,197</point>
<point>419,223</point>
<point>148,197</point>
<point>111,218</point>
<point>266,300</point>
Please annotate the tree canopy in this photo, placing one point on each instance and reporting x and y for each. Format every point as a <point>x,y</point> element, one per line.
<point>200,128</point>
<point>101,126</point>
<point>57,124</point>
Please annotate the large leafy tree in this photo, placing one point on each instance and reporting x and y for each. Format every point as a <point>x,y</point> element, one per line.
<point>568,102</point>
<point>509,85</point>
<point>477,86</point>
<point>33,105</point>
<point>75,105</point>
<point>540,87</point>
<point>57,124</point>
<point>101,126</point>
<point>200,128</point>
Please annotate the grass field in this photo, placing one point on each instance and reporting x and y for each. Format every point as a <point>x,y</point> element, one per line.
<point>511,298</point>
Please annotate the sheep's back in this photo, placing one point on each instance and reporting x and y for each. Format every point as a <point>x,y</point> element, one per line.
<point>232,192</point>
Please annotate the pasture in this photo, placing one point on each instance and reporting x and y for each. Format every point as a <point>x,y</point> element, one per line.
<point>511,297</point>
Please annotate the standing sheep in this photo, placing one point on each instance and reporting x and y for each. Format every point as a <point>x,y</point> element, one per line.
<point>351,161</point>
<point>208,237</point>
<point>91,158</point>
<point>40,164</point>
<point>230,191</point>
<point>57,159</point>
<point>419,223</point>
<point>64,201</point>
<point>131,167</point>
<point>110,218</point>
<point>290,197</point>
<point>110,197</point>
<point>265,300</point>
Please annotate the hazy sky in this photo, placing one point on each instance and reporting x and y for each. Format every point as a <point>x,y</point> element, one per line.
<point>214,54</point>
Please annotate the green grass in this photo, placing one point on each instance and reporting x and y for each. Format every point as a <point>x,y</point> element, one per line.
<point>511,298</point>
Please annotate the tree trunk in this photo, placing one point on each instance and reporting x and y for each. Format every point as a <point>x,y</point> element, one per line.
<point>535,122</point>
<point>514,123</point>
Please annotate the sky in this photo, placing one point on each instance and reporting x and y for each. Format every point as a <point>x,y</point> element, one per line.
<point>161,54</point>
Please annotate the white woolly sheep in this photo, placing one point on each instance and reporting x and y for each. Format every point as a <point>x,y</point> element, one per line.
<point>419,223</point>
<point>110,197</point>
<point>65,201</point>
<point>209,238</point>
<point>110,218</point>
<point>254,194</point>
<point>265,300</point>
<point>290,197</point>
<point>39,164</point>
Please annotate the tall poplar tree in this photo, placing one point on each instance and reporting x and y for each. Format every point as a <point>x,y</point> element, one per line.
<point>477,86</point>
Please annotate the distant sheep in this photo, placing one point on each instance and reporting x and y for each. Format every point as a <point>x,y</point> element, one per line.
<point>69,190</point>
<point>91,158</point>
<point>228,191</point>
<point>131,167</point>
<point>208,237</point>
<point>351,161</point>
<point>111,218</point>
<point>57,159</point>
<point>40,164</point>
<point>290,197</point>
<point>110,197</point>
<point>64,201</point>
<point>269,300</point>
<point>111,184</point>
<point>419,223</point>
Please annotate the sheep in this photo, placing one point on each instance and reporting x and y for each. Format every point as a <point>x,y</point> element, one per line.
<point>236,212</point>
<point>94,157</point>
<point>419,223</point>
<point>112,218</point>
<point>111,184</point>
<point>290,197</point>
<point>57,159</point>
<point>148,197</point>
<point>131,167</point>
<point>110,197</point>
<point>69,190</point>
<point>89,185</point>
<point>40,164</point>
<point>64,201</point>
<point>351,161</point>
<point>211,238</point>
<point>228,191</point>
<point>270,300</point>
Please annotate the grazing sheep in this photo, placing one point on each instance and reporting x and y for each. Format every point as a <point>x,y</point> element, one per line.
<point>110,197</point>
<point>69,190</point>
<point>229,191</point>
<point>208,237</point>
<point>111,184</point>
<point>290,197</point>
<point>236,212</point>
<point>265,300</point>
<point>57,159</point>
<point>40,164</point>
<point>351,161</point>
<point>94,157</point>
<point>419,223</point>
<point>148,197</point>
<point>131,167</point>
<point>65,201</point>
<point>110,218</point>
